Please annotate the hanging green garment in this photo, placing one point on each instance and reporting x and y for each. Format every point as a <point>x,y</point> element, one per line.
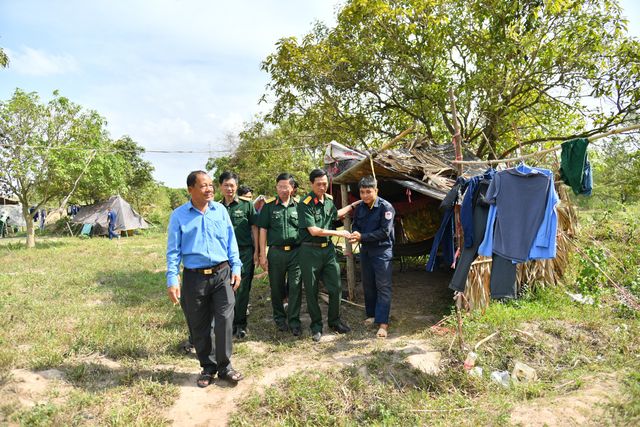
<point>572,161</point>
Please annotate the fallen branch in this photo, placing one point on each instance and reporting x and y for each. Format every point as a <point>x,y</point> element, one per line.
<point>325,298</point>
<point>528,334</point>
<point>484,340</point>
<point>466,408</point>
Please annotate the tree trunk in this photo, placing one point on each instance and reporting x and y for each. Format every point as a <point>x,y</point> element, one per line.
<point>31,231</point>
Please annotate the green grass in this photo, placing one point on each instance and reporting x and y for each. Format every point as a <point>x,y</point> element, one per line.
<point>69,302</point>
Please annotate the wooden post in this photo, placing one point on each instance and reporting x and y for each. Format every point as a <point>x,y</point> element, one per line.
<point>457,143</point>
<point>348,249</point>
<point>456,127</point>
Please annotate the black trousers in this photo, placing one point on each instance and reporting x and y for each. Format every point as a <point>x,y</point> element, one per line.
<point>503,271</point>
<point>207,302</point>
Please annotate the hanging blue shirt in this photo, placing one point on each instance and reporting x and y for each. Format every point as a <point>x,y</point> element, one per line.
<point>544,246</point>
<point>587,179</point>
<point>200,240</point>
<point>520,196</point>
<point>544,243</point>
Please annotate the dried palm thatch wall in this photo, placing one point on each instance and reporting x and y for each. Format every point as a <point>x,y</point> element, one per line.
<point>532,273</point>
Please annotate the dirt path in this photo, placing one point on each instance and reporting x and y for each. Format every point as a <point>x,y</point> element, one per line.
<point>214,405</point>
<point>581,407</point>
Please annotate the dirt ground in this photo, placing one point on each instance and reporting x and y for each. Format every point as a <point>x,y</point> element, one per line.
<point>420,300</point>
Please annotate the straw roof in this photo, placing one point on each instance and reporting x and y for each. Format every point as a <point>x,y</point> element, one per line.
<point>420,165</point>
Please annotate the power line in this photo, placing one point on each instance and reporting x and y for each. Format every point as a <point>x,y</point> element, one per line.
<point>119,150</point>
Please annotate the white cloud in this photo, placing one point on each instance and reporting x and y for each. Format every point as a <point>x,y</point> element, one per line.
<point>173,75</point>
<point>37,62</point>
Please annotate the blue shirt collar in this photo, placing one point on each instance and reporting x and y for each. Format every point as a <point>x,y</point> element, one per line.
<point>210,205</point>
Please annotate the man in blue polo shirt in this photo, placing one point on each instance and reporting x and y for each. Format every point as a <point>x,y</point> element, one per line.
<point>373,228</point>
<point>201,236</point>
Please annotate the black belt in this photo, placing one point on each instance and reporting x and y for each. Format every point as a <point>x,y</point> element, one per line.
<point>208,270</point>
<point>286,248</point>
<point>317,245</point>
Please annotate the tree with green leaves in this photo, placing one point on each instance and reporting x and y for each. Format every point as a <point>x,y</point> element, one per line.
<point>261,153</point>
<point>618,159</point>
<point>4,59</point>
<point>46,149</point>
<point>524,72</point>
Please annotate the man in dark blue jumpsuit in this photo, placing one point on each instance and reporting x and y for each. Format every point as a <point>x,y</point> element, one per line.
<point>373,228</point>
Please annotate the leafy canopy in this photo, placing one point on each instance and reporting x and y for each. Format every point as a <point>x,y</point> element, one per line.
<point>523,71</point>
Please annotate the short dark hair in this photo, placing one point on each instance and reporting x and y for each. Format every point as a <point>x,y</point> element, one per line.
<point>191,178</point>
<point>226,175</point>
<point>244,189</point>
<point>286,176</point>
<point>367,182</point>
<point>316,173</point>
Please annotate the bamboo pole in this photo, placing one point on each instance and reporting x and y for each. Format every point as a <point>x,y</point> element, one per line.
<point>393,142</point>
<point>459,163</point>
<point>457,142</point>
<point>457,138</point>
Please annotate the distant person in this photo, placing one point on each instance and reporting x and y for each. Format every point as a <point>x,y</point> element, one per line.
<point>294,192</point>
<point>373,229</point>
<point>4,221</point>
<point>112,218</point>
<point>317,216</point>
<point>43,218</point>
<point>278,224</point>
<point>244,218</point>
<point>200,235</point>
<point>245,191</point>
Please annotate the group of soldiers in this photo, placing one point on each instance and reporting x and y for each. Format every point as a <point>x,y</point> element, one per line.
<point>289,237</point>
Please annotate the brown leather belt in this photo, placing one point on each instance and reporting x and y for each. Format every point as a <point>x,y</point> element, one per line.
<point>208,270</point>
<point>286,248</point>
<point>317,245</point>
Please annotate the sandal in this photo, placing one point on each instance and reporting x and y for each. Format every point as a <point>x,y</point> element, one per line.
<point>231,375</point>
<point>205,379</point>
<point>382,333</point>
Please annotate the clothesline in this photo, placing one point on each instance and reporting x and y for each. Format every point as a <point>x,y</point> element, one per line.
<point>541,152</point>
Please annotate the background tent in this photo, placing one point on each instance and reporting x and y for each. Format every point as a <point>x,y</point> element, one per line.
<point>4,200</point>
<point>96,215</point>
<point>15,215</point>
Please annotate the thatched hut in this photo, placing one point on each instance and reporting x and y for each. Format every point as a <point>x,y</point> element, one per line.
<point>415,178</point>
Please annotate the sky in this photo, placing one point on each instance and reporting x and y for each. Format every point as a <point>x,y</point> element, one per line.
<point>172,74</point>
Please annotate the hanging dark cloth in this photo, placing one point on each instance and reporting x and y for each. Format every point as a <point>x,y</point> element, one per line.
<point>474,195</point>
<point>444,238</point>
<point>503,271</point>
<point>573,160</point>
<point>446,232</point>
